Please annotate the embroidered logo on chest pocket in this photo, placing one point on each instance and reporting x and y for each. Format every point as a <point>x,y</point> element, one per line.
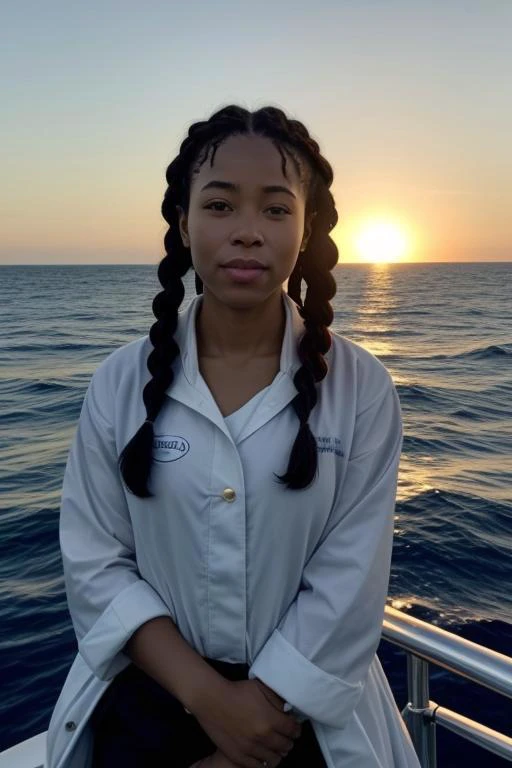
<point>329,445</point>
<point>169,447</point>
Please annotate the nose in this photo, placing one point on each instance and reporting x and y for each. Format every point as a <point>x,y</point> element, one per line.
<point>246,234</point>
<point>247,239</point>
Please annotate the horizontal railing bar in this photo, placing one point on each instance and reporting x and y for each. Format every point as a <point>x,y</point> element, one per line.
<point>456,654</point>
<point>485,737</point>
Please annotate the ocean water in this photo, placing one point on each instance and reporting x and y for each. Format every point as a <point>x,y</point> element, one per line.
<point>444,331</point>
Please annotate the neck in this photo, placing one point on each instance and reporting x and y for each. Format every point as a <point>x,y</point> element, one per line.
<point>224,331</point>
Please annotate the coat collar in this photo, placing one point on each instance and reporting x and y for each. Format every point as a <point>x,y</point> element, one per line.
<point>186,339</point>
<point>190,388</point>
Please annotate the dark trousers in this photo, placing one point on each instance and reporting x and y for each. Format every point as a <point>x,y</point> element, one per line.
<point>138,724</point>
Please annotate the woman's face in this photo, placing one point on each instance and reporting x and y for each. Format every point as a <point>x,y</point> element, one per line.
<point>244,221</point>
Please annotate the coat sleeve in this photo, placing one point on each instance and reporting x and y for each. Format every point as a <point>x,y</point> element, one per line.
<point>319,655</point>
<point>107,598</point>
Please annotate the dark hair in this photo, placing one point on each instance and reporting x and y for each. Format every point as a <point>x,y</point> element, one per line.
<point>314,265</point>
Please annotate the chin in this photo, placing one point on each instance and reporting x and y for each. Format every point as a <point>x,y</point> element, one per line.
<point>239,296</point>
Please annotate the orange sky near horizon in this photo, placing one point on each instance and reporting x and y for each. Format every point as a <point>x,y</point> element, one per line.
<point>96,105</point>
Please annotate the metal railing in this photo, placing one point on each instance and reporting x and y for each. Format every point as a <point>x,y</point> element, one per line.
<point>425,643</point>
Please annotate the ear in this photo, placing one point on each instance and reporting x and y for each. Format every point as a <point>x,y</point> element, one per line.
<point>183,225</point>
<point>308,226</point>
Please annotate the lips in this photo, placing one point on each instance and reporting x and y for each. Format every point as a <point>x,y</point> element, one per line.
<point>244,264</point>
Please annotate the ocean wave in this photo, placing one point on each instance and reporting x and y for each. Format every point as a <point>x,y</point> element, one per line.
<point>487,352</point>
<point>420,392</point>
<point>41,348</point>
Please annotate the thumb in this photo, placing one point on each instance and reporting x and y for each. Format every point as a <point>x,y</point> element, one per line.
<point>270,695</point>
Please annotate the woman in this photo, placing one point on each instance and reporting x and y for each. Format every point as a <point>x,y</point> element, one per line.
<point>227,509</point>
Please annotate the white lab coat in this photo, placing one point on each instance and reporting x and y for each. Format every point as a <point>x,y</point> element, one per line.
<point>293,583</point>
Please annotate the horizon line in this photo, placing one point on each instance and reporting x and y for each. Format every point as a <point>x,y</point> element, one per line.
<point>339,264</point>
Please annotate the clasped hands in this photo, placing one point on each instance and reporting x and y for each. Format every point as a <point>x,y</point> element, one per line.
<point>220,760</point>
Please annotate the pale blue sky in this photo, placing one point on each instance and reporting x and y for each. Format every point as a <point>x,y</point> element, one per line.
<point>411,103</point>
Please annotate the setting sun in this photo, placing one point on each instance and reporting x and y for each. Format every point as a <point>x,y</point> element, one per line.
<point>381,241</point>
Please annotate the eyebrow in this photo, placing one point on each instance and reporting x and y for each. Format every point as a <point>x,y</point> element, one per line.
<point>236,187</point>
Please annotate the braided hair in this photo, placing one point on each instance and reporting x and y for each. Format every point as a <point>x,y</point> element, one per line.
<point>314,265</point>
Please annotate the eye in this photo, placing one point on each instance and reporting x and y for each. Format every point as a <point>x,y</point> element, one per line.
<point>278,208</point>
<point>217,202</point>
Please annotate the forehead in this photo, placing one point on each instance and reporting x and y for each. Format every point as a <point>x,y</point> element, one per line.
<point>248,161</point>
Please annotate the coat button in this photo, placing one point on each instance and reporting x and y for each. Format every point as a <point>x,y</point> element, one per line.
<point>229,494</point>
<point>70,726</point>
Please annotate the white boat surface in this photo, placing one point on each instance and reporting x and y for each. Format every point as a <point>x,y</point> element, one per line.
<point>27,754</point>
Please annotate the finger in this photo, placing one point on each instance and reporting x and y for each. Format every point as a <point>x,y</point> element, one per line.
<point>289,719</point>
<point>289,729</point>
<point>271,695</point>
<point>273,759</point>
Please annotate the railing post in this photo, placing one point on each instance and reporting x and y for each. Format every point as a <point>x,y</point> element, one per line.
<point>418,713</point>
<point>428,644</point>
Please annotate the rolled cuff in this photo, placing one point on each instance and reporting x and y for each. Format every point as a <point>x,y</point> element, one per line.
<point>102,646</point>
<point>313,692</point>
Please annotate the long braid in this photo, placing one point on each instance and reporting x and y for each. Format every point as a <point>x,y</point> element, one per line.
<point>314,265</point>
<point>137,456</point>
